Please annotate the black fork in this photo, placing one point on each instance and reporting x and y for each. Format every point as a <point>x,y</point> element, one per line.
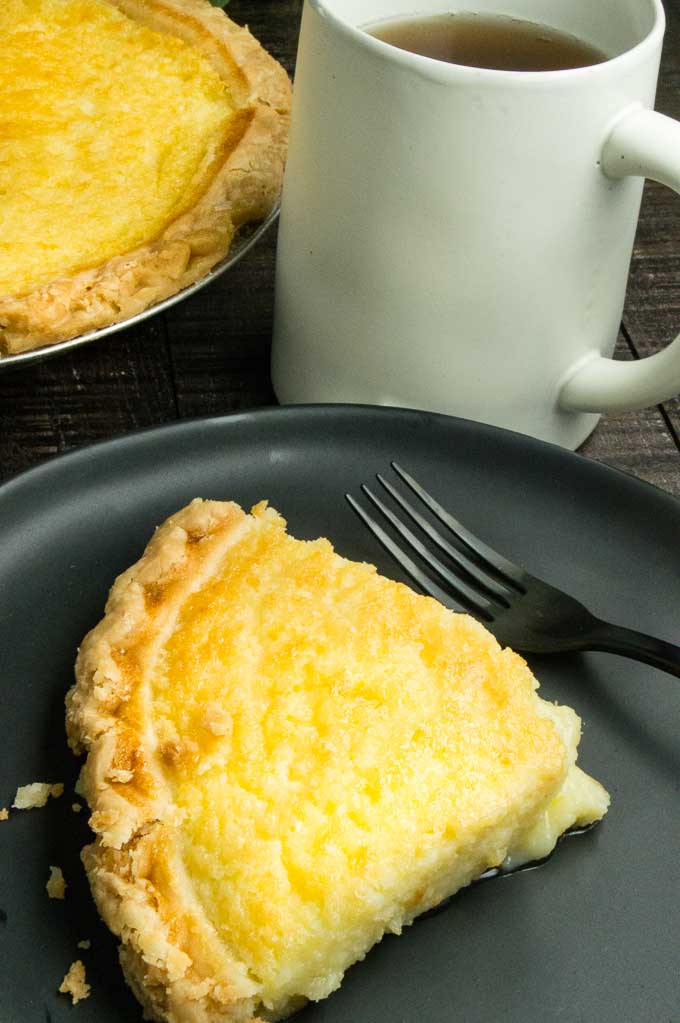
<point>522,611</point>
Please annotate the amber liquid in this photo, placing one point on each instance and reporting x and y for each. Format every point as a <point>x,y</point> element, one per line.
<point>498,42</point>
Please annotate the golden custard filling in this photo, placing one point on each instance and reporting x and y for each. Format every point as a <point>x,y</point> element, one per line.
<point>340,749</point>
<point>108,131</point>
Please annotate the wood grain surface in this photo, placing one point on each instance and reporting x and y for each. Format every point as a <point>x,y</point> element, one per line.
<point>210,354</point>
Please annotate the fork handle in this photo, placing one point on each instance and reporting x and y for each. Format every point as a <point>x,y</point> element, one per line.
<point>616,640</point>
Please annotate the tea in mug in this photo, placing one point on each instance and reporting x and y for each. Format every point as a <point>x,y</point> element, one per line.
<point>498,42</point>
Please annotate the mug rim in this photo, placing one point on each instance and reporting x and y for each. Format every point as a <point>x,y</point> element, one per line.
<point>448,70</point>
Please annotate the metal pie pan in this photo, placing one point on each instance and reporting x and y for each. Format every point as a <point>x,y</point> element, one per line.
<point>244,241</point>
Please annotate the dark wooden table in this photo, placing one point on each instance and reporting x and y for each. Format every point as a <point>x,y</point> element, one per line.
<point>210,354</point>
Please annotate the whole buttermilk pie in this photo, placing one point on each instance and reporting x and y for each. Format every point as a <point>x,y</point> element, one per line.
<point>136,137</point>
<point>290,756</point>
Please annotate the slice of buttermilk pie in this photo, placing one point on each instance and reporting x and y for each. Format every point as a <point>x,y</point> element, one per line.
<point>289,756</point>
<point>136,136</point>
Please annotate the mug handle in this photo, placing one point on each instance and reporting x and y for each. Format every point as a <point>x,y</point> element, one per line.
<point>643,143</point>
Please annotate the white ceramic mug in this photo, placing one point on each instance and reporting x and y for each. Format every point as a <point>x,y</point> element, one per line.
<point>458,239</point>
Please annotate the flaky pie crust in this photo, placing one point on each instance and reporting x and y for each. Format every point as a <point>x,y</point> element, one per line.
<point>244,187</point>
<point>170,953</point>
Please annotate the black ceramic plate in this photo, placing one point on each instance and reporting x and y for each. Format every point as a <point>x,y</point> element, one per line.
<point>589,937</point>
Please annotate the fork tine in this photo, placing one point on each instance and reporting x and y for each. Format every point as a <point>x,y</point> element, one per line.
<point>472,600</point>
<point>414,571</point>
<point>471,568</point>
<point>503,568</point>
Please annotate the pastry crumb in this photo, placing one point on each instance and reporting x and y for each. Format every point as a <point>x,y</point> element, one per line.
<point>84,944</point>
<point>217,720</point>
<point>76,807</point>
<point>4,814</point>
<point>74,983</point>
<point>36,794</point>
<point>56,885</point>
<point>120,775</point>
